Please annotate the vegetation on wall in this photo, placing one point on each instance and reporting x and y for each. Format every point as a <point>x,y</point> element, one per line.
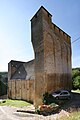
<point>76,78</point>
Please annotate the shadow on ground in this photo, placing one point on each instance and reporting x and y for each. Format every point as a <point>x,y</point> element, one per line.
<point>73,104</point>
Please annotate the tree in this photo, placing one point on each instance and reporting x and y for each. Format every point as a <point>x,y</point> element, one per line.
<point>0,76</point>
<point>76,82</point>
<point>76,78</point>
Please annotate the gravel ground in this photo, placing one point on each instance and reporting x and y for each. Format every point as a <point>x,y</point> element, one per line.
<point>9,113</point>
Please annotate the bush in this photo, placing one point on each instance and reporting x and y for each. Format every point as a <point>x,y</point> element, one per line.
<point>76,78</point>
<point>43,109</point>
<point>76,82</point>
<point>49,105</point>
<point>48,99</point>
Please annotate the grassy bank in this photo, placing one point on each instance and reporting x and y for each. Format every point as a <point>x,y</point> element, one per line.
<point>76,91</point>
<point>15,103</point>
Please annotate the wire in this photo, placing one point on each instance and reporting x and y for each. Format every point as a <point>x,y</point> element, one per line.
<point>76,40</point>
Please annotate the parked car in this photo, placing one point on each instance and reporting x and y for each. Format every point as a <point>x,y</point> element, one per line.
<point>61,94</point>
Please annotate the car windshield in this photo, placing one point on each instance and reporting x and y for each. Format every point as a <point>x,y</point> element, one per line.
<point>57,92</point>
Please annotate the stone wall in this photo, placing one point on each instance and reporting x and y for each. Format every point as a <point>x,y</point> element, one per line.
<point>21,90</point>
<point>21,78</point>
<point>52,49</point>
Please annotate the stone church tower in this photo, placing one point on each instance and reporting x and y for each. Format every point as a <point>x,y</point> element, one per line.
<point>52,49</point>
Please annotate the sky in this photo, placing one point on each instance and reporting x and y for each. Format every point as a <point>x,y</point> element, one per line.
<point>15,27</point>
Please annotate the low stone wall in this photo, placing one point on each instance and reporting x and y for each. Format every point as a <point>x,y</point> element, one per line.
<point>21,89</point>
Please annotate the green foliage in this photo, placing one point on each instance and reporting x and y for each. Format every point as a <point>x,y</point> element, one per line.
<point>76,82</point>
<point>75,72</point>
<point>3,83</point>
<point>0,76</point>
<point>48,99</point>
<point>3,88</point>
<point>3,75</point>
<point>76,78</point>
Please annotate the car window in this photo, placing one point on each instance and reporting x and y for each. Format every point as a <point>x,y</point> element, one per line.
<point>57,92</point>
<point>64,93</point>
<point>61,93</point>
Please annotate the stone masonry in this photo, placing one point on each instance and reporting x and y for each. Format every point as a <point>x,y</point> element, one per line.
<point>52,49</point>
<point>51,68</point>
<point>21,78</point>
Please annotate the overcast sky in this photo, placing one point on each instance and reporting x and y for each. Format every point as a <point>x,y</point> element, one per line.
<point>15,27</point>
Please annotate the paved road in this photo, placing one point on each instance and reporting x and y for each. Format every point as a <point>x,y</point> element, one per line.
<point>6,113</point>
<point>9,113</point>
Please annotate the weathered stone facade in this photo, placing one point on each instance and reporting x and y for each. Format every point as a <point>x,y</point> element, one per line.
<point>52,49</point>
<point>21,78</point>
<point>51,69</point>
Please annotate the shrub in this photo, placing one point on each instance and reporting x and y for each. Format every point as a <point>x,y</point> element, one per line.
<point>76,82</point>
<point>76,78</point>
<point>48,99</point>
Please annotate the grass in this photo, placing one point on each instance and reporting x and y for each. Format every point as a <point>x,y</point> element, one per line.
<point>15,103</point>
<point>76,91</point>
<point>73,116</point>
